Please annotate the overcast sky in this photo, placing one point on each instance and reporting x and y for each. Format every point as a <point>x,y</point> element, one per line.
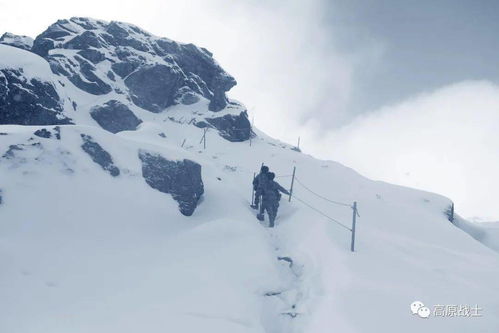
<point>402,91</point>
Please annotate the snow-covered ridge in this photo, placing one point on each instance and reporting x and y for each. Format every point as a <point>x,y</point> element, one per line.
<point>22,42</point>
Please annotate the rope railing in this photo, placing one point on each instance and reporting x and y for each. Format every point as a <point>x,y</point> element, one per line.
<point>322,197</point>
<point>354,208</point>
<point>322,213</point>
<point>343,204</point>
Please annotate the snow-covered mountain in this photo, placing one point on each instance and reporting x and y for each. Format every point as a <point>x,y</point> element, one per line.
<point>116,215</point>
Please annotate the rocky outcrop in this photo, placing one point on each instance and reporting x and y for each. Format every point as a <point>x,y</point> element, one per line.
<point>47,134</point>
<point>99,155</point>
<point>235,128</point>
<point>115,117</point>
<point>158,72</point>
<point>43,133</point>
<point>26,101</point>
<point>181,179</point>
<point>154,87</point>
<point>15,152</point>
<point>21,42</point>
<point>81,72</point>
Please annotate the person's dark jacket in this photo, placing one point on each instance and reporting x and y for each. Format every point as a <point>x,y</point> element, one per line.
<point>260,181</point>
<point>271,191</point>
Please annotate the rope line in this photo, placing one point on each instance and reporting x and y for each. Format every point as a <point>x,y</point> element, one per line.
<point>322,197</point>
<point>320,212</point>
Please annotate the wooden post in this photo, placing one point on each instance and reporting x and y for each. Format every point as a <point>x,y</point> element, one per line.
<point>451,217</point>
<point>204,137</point>
<point>252,191</point>
<point>183,142</point>
<point>354,220</point>
<point>292,182</point>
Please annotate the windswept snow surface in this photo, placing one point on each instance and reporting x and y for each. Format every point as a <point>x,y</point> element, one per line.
<point>82,251</point>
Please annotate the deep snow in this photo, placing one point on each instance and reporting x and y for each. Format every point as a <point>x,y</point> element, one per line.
<point>82,251</point>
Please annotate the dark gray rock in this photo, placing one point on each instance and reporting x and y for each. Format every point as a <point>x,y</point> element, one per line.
<point>115,30</point>
<point>87,80</point>
<point>181,179</point>
<point>43,133</point>
<point>232,127</point>
<point>115,117</point>
<point>28,102</point>
<point>57,130</point>
<point>219,86</point>
<point>187,97</point>
<point>42,46</point>
<point>92,55</point>
<point>199,61</point>
<point>201,124</point>
<point>118,35</point>
<point>124,68</point>
<point>80,72</point>
<point>99,155</point>
<point>154,87</point>
<point>84,41</point>
<point>11,152</point>
<point>111,76</point>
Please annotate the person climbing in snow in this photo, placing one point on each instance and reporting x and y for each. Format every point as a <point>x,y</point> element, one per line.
<point>259,183</point>
<point>270,199</point>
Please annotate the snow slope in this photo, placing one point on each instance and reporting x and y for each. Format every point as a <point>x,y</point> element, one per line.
<point>116,256</point>
<point>82,251</point>
<point>484,232</point>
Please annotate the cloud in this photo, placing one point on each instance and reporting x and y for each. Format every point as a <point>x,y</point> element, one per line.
<point>446,141</point>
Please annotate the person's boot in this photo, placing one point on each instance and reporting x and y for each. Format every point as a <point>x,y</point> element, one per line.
<point>260,217</point>
<point>254,206</point>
